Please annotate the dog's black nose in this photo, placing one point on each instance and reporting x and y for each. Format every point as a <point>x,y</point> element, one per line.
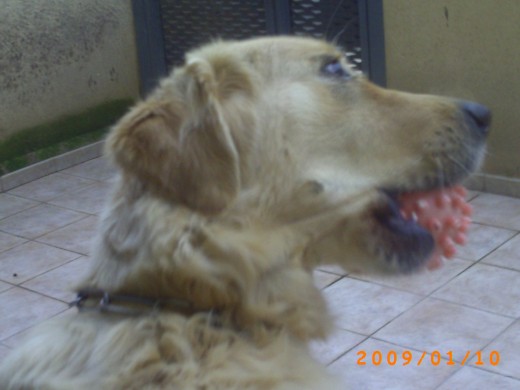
<point>477,116</point>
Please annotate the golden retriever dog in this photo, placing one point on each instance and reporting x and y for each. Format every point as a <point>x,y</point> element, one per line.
<point>248,167</point>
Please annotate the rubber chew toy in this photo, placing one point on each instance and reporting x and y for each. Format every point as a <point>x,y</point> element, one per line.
<point>445,214</point>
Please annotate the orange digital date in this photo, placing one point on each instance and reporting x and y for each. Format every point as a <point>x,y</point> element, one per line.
<point>405,358</point>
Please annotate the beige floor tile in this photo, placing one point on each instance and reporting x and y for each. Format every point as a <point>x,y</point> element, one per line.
<point>437,325</point>
<point>497,210</point>
<point>471,378</point>
<point>96,169</point>
<point>39,220</point>
<point>8,241</point>
<point>4,350</point>
<point>76,237</point>
<point>60,282</point>
<point>16,339</point>
<point>508,255</point>
<point>482,240</point>
<point>91,199</point>
<point>485,287</point>
<point>22,309</point>
<point>5,286</point>
<point>336,345</point>
<point>10,205</point>
<point>388,376</point>
<point>324,279</point>
<point>423,283</point>
<point>31,259</point>
<point>508,346</point>
<point>49,187</point>
<point>364,307</point>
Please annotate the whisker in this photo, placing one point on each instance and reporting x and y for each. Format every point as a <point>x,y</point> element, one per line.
<point>339,34</point>
<point>440,171</point>
<point>458,163</point>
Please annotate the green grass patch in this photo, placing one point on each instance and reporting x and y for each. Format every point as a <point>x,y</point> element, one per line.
<point>38,143</point>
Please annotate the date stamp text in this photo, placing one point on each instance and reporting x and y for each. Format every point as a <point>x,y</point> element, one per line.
<point>435,358</point>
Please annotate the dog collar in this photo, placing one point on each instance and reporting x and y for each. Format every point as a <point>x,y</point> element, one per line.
<point>94,299</point>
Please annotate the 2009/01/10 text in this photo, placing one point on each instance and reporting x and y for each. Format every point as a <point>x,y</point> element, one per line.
<point>392,358</point>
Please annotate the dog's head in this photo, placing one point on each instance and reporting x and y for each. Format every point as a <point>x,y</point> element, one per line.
<point>285,130</point>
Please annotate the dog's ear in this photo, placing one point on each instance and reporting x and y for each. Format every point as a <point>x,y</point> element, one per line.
<point>179,142</point>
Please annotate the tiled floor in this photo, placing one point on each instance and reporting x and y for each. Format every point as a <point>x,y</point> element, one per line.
<point>467,311</point>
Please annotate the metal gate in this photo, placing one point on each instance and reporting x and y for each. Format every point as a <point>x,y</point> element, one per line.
<point>166,29</point>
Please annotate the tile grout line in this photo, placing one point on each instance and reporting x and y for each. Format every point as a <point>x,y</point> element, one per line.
<point>94,182</point>
<point>349,349</point>
<point>500,246</point>
<point>510,317</point>
<point>41,294</point>
<point>104,200</point>
<point>16,245</point>
<point>2,341</point>
<point>490,342</point>
<point>425,297</point>
<point>18,212</point>
<point>448,378</point>
<point>87,214</point>
<point>44,272</point>
<point>33,239</point>
<point>83,177</point>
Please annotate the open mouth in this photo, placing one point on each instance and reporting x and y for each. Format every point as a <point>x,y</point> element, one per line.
<point>417,229</point>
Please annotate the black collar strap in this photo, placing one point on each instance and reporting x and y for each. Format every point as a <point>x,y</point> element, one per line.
<point>93,299</point>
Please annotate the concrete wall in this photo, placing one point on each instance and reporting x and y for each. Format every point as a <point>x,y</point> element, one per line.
<point>463,48</point>
<point>59,57</point>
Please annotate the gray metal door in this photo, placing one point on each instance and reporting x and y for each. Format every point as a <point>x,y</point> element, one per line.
<point>166,29</point>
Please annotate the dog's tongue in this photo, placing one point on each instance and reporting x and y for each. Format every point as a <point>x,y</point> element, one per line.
<point>444,213</point>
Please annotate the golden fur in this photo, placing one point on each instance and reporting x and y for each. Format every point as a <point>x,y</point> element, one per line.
<point>243,171</point>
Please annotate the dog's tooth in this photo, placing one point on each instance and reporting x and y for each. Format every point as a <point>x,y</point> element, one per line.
<point>442,200</point>
<point>422,205</point>
<point>460,238</point>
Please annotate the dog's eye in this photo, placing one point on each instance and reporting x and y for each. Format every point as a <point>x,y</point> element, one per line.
<point>335,68</point>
